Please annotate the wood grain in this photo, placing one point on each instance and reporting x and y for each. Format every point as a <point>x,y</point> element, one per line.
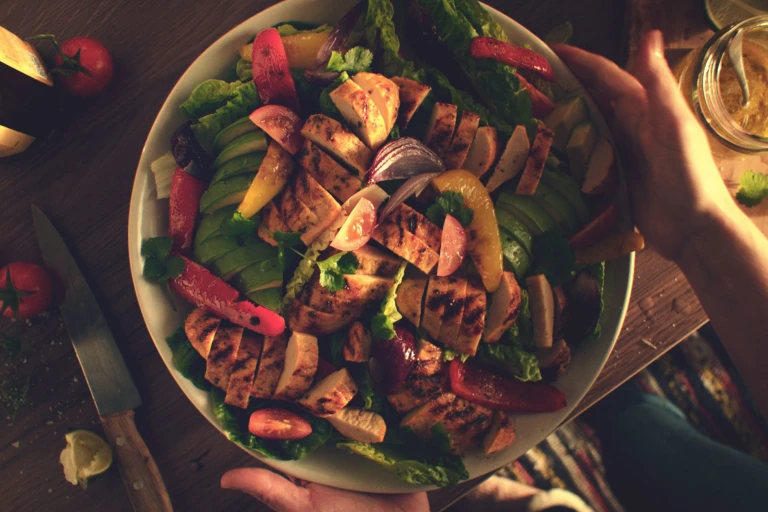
<point>141,478</point>
<point>82,177</point>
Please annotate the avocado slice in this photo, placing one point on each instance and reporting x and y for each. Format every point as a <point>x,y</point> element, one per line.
<point>558,207</point>
<point>243,164</point>
<point>210,224</point>
<point>516,258</point>
<point>249,143</point>
<point>232,132</point>
<point>513,225</point>
<point>214,248</point>
<point>564,119</point>
<point>225,193</point>
<point>568,188</point>
<point>270,298</point>
<point>531,214</point>
<point>259,275</point>
<point>229,265</point>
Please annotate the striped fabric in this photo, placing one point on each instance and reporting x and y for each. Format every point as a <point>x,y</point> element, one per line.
<point>697,377</point>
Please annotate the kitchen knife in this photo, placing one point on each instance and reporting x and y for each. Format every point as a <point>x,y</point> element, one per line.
<point>105,372</point>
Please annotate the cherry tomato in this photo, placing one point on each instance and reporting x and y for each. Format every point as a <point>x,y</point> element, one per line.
<point>282,124</point>
<point>358,228</point>
<point>453,246</point>
<point>29,293</point>
<point>93,57</point>
<point>485,387</point>
<point>278,424</point>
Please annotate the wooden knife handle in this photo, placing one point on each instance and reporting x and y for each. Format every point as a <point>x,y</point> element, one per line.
<point>141,477</point>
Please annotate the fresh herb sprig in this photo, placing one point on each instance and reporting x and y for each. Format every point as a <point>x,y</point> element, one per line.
<point>450,203</point>
<point>159,266</point>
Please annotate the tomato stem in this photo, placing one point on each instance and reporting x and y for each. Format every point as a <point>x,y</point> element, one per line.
<point>70,65</point>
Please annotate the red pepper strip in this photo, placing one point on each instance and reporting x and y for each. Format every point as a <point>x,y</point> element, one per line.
<point>271,72</point>
<point>542,105</point>
<point>186,191</point>
<point>495,391</point>
<point>517,56</point>
<point>596,230</point>
<point>203,289</point>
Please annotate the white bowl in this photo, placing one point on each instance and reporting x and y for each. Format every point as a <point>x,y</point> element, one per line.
<point>149,218</point>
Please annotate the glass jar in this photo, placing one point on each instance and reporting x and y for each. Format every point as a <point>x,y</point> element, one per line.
<point>709,83</point>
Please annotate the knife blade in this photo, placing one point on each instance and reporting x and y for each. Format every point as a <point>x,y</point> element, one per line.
<point>103,366</point>
<point>104,369</point>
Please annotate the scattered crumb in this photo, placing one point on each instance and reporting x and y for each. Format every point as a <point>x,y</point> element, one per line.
<point>16,444</point>
<point>648,342</point>
<point>74,379</point>
<point>49,422</point>
<point>50,490</point>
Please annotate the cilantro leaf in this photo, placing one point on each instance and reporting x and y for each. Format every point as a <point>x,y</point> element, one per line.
<point>159,247</point>
<point>174,267</point>
<point>285,244</point>
<point>333,270</point>
<point>554,257</point>
<point>383,322</point>
<point>353,61</point>
<point>158,267</point>
<point>753,188</point>
<point>450,203</point>
<point>237,225</point>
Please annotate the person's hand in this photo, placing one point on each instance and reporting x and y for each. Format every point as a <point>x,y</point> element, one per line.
<point>673,181</point>
<point>282,495</point>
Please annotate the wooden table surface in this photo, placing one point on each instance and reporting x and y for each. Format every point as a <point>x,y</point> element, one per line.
<point>82,178</point>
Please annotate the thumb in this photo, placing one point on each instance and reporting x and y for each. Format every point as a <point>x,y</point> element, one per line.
<point>273,490</point>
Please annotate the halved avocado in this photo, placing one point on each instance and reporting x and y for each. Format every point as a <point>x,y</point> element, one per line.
<point>232,132</point>
<point>558,207</point>
<point>210,224</point>
<point>568,188</point>
<point>243,164</point>
<point>214,248</point>
<point>516,258</point>
<point>229,265</point>
<point>530,213</point>
<point>515,226</point>
<point>249,143</point>
<point>259,275</point>
<point>225,193</point>
<point>270,298</point>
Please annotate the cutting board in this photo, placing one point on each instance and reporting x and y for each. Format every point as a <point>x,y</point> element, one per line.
<point>685,28</point>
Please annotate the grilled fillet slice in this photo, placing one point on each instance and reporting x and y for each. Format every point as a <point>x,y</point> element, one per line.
<point>333,176</point>
<point>429,359</point>
<point>462,140</point>
<point>316,198</point>
<point>357,344</point>
<point>406,245</point>
<point>384,93</point>
<point>424,417</point>
<point>504,308</point>
<point>416,223</point>
<point>417,390</point>
<point>410,295</point>
<point>244,371</point>
<point>512,160</point>
<point>303,318</point>
<point>472,320</point>
<point>483,152</point>
<point>330,395</point>
<point>271,366</point>
<point>359,425</point>
<point>301,357</point>
<point>466,422</point>
<point>501,434</point>
<point>331,136</point>
<point>375,262</point>
<point>295,214</point>
<point>412,95</point>
<point>440,128</point>
<point>222,357</point>
<point>200,328</point>
<point>358,292</point>
<point>453,312</point>
<point>271,221</point>
<point>534,166</point>
<point>360,111</point>
<point>443,293</point>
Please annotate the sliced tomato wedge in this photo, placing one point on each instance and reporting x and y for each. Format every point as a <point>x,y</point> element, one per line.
<point>597,229</point>
<point>485,387</point>
<point>542,105</point>
<point>281,124</point>
<point>358,227</point>
<point>271,72</point>
<point>278,425</point>
<point>453,247</point>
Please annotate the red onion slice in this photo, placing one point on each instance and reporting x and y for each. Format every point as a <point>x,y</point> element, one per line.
<point>412,187</point>
<point>401,159</point>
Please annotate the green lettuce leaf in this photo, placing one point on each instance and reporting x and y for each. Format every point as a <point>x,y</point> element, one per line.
<point>449,355</point>
<point>234,422</point>
<point>511,357</point>
<point>207,97</point>
<point>598,272</point>
<point>244,70</point>
<point>300,448</point>
<point>245,100</point>
<point>372,399</point>
<point>480,19</point>
<point>383,323</point>
<point>186,359</point>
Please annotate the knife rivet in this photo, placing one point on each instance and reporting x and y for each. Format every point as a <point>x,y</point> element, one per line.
<point>138,485</point>
<point>120,441</point>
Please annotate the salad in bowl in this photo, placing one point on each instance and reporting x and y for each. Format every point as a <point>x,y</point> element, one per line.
<point>392,232</point>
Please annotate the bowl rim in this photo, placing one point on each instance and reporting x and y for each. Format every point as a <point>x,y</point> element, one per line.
<point>293,467</point>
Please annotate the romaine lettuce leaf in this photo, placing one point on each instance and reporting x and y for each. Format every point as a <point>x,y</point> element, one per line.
<point>289,29</point>
<point>372,399</point>
<point>300,448</point>
<point>187,360</point>
<point>481,19</point>
<point>245,100</point>
<point>513,358</point>
<point>235,423</point>
<point>207,97</point>
<point>244,70</point>
<point>383,323</point>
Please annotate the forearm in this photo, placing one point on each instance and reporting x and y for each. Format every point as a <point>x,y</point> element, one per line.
<point>726,262</point>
